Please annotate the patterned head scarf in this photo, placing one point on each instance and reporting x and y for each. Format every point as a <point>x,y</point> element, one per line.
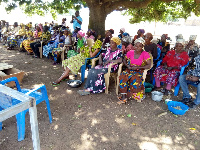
<point>181,41</point>
<point>29,25</point>
<point>193,37</point>
<point>126,39</point>
<point>82,34</point>
<point>140,40</point>
<point>179,36</point>
<point>116,40</point>
<point>90,31</point>
<point>125,34</point>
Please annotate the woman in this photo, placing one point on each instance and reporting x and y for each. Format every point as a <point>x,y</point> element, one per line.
<point>169,71</point>
<point>140,33</point>
<point>44,38</point>
<point>26,43</point>
<point>164,44</point>
<point>108,36</point>
<point>49,47</point>
<point>131,83</point>
<point>149,46</point>
<point>95,82</point>
<point>126,44</point>
<point>74,63</point>
<point>90,34</point>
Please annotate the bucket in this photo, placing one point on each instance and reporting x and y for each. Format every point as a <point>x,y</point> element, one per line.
<point>156,96</point>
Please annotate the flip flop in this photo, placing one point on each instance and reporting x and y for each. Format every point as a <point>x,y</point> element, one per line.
<point>124,101</point>
<point>55,84</point>
<point>66,79</point>
<point>83,92</point>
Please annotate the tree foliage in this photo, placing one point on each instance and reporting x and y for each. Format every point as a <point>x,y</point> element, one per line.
<point>158,10</point>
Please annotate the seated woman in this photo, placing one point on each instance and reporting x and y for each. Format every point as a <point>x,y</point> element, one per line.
<point>44,38</point>
<point>95,82</point>
<point>74,63</point>
<point>149,46</point>
<point>131,83</point>
<point>140,33</point>
<point>169,71</point>
<point>126,44</point>
<point>90,34</point>
<point>12,38</point>
<point>25,45</point>
<point>49,47</point>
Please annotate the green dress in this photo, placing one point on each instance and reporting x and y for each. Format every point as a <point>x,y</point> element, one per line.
<point>74,63</point>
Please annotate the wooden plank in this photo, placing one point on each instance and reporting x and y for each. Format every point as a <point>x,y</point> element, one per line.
<point>34,126</point>
<point>11,111</point>
<point>13,93</point>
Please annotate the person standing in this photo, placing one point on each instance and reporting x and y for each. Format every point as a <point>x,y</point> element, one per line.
<point>76,20</point>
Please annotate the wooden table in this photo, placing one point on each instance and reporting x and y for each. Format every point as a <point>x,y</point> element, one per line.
<point>27,102</point>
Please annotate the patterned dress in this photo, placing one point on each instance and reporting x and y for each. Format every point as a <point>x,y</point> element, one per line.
<point>26,43</point>
<point>172,59</point>
<point>95,82</point>
<point>131,81</point>
<point>74,63</point>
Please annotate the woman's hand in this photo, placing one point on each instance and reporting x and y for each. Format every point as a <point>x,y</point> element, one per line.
<point>107,62</point>
<point>192,78</point>
<point>169,68</point>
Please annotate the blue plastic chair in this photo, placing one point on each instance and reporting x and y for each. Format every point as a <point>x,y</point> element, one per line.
<point>176,89</point>
<point>86,65</point>
<point>39,96</point>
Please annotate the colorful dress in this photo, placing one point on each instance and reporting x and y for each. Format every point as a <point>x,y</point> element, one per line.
<point>131,81</point>
<point>95,82</point>
<point>74,63</point>
<point>26,43</point>
<point>172,59</point>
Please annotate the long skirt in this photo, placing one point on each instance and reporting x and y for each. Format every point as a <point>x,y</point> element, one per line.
<point>131,82</point>
<point>12,41</point>
<point>26,45</point>
<point>167,76</point>
<point>49,48</point>
<point>74,63</point>
<point>95,82</point>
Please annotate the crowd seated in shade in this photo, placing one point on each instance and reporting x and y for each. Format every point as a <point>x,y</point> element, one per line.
<point>134,52</point>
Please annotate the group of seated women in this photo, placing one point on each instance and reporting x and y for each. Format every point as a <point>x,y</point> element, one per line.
<point>136,56</point>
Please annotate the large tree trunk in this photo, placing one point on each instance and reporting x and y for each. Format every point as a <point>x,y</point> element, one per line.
<point>97,18</point>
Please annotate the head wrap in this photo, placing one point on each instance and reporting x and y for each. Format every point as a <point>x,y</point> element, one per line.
<point>165,35</point>
<point>181,41</point>
<point>193,37</point>
<point>142,30</point>
<point>92,32</point>
<point>122,29</point>
<point>126,39</point>
<point>29,25</point>
<point>179,36</point>
<point>125,34</point>
<point>82,34</point>
<point>140,40</point>
<point>111,31</point>
<point>116,40</point>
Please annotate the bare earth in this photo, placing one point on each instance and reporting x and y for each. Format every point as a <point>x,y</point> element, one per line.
<point>100,123</point>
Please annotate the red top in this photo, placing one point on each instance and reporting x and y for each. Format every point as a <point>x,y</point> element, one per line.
<point>174,59</point>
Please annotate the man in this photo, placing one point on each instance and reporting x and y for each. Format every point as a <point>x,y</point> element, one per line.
<point>76,20</point>
<point>192,77</point>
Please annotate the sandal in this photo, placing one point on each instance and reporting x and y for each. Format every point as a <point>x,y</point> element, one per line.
<point>55,84</point>
<point>83,92</point>
<point>66,79</point>
<point>124,101</point>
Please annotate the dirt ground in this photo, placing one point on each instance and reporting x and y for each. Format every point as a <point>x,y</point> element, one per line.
<point>100,123</point>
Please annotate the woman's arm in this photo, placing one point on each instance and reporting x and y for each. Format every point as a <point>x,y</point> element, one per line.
<point>100,60</point>
<point>93,54</point>
<point>147,66</point>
